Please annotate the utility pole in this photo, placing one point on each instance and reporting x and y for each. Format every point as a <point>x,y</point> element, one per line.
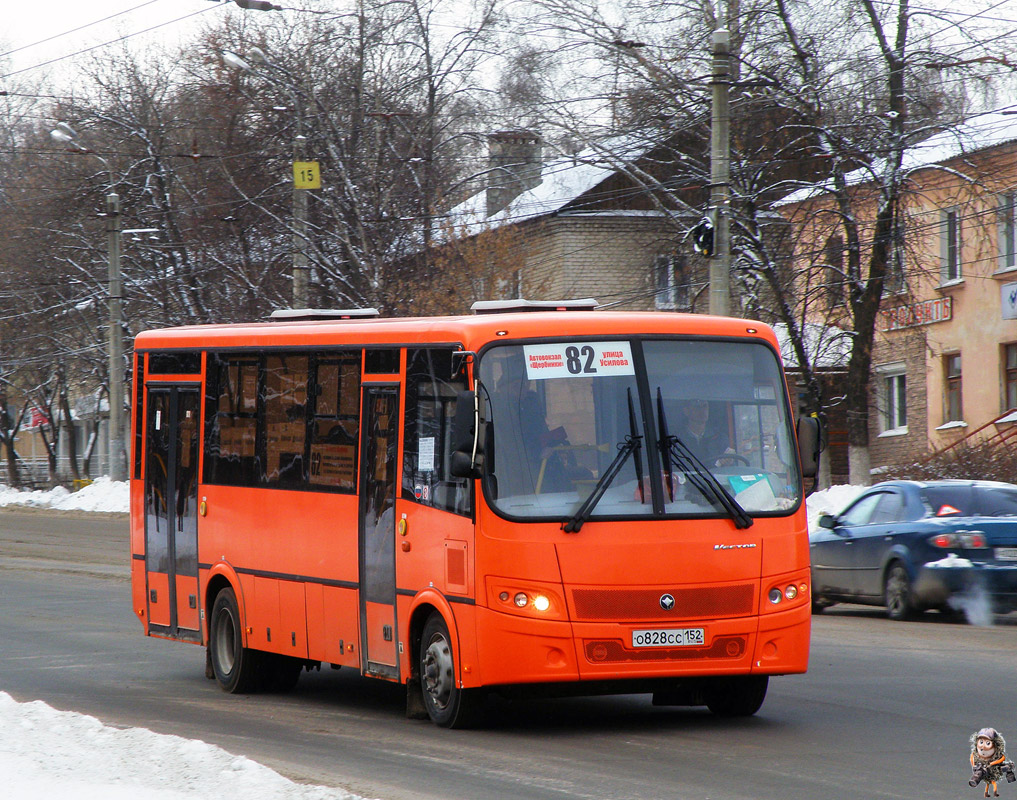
<point>117,450</point>
<point>720,168</point>
<point>300,271</point>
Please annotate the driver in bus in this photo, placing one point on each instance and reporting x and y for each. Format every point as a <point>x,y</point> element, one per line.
<point>708,444</point>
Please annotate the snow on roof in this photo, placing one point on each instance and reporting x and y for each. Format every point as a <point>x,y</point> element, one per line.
<point>980,132</point>
<point>562,181</point>
<point>826,346</point>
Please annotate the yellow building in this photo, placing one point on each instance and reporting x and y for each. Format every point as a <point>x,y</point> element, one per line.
<point>944,362</point>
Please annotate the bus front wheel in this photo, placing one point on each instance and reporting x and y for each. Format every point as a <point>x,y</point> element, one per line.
<point>448,705</point>
<point>737,697</point>
<point>235,666</point>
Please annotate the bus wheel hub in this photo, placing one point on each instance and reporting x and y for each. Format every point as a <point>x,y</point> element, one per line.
<point>437,676</point>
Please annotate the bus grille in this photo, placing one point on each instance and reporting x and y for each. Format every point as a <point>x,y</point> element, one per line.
<point>644,604</point>
<point>600,651</point>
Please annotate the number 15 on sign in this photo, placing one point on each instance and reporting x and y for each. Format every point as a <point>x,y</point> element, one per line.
<point>306,175</point>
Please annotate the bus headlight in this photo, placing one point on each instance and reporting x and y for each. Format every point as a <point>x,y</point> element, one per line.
<point>776,595</point>
<point>524,598</point>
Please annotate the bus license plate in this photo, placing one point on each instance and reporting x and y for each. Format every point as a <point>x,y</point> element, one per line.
<point>1006,553</point>
<point>669,637</point>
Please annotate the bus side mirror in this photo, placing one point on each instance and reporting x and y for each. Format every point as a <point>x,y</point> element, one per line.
<point>809,445</point>
<point>467,445</point>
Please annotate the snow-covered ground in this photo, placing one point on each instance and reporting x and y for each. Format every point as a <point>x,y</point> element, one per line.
<point>101,495</point>
<point>50,753</point>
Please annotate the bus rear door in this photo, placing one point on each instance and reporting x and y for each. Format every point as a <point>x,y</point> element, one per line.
<point>171,520</point>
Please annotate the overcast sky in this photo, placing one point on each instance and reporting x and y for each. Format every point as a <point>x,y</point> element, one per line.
<point>37,31</point>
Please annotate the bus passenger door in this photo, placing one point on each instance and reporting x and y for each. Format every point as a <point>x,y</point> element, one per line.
<point>171,518</point>
<point>378,635</point>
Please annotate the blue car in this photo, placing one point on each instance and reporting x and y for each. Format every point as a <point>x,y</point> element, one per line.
<point>913,545</point>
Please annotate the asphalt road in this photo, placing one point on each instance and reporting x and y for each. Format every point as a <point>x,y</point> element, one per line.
<point>884,712</point>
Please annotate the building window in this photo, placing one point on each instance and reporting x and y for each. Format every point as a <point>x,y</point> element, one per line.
<point>950,246</point>
<point>1010,376</point>
<point>833,256</point>
<point>1005,233</point>
<point>673,291</point>
<point>952,370</point>
<point>894,282</point>
<point>894,401</point>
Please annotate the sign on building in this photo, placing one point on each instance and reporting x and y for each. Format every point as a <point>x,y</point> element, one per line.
<point>926,312</point>
<point>1008,300</point>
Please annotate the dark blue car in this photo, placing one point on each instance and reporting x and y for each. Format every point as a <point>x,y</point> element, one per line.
<point>911,546</point>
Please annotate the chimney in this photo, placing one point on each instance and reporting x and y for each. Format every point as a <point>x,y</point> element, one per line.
<point>514,164</point>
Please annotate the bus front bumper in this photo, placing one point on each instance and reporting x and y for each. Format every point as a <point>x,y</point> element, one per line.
<point>522,650</point>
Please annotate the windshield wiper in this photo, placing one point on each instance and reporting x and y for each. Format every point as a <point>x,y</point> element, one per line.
<point>675,452</point>
<point>632,444</point>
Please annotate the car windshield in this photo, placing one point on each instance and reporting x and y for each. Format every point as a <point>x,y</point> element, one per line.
<point>560,412</point>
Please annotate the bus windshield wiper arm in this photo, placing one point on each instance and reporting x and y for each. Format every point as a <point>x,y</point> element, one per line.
<point>676,452</point>
<point>629,447</point>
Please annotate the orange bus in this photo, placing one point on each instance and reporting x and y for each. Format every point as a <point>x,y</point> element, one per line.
<point>568,501</point>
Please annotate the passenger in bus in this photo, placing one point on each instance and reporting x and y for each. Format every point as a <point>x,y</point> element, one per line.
<point>707,443</point>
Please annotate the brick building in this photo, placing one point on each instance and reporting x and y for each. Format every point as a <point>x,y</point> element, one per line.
<point>944,364</point>
<point>582,227</point>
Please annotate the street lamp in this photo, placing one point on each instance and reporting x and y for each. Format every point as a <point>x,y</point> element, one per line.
<point>301,270</point>
<point>65,134</point>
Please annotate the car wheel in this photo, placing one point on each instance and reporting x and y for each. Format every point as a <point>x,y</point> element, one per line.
<point>897,592</point>
<point>819,605</point>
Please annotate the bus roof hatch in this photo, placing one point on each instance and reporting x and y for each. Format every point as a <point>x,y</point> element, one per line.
<point>322,314</point>
<point>519,304</point>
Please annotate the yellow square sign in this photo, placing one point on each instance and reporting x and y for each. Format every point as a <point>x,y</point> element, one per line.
<point>306,175</point>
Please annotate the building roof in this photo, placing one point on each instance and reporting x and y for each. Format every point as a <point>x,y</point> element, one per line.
<point>977,133</point>
<point>563,180</point>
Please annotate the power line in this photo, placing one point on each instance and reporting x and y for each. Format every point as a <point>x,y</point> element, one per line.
<point>76,30</point>
<point>119,39</point>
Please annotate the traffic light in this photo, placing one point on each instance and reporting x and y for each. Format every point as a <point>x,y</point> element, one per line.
<point>702,237</point>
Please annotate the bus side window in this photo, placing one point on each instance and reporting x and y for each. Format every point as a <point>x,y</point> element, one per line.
<point>231,420</point>
<point>335,422</point>
<point>286,419</point>
<point>427,446</point>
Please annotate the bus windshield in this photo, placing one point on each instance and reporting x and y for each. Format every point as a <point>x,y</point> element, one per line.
<point>703,426</point>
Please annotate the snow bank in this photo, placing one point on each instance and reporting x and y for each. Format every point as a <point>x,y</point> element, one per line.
<point>50,753</point>
<point>101,495</point>
<point>830,501</point>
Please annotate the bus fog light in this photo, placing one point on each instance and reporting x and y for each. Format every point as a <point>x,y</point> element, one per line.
<point>791,592</point>
<point>521,599</point>
<point>775,595</point>
<point>541,603</point>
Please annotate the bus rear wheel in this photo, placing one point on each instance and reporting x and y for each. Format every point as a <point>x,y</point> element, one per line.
<point>236,667</point>
<point>280,673</point>
<point>448,705</point>
<point>737,697</point>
